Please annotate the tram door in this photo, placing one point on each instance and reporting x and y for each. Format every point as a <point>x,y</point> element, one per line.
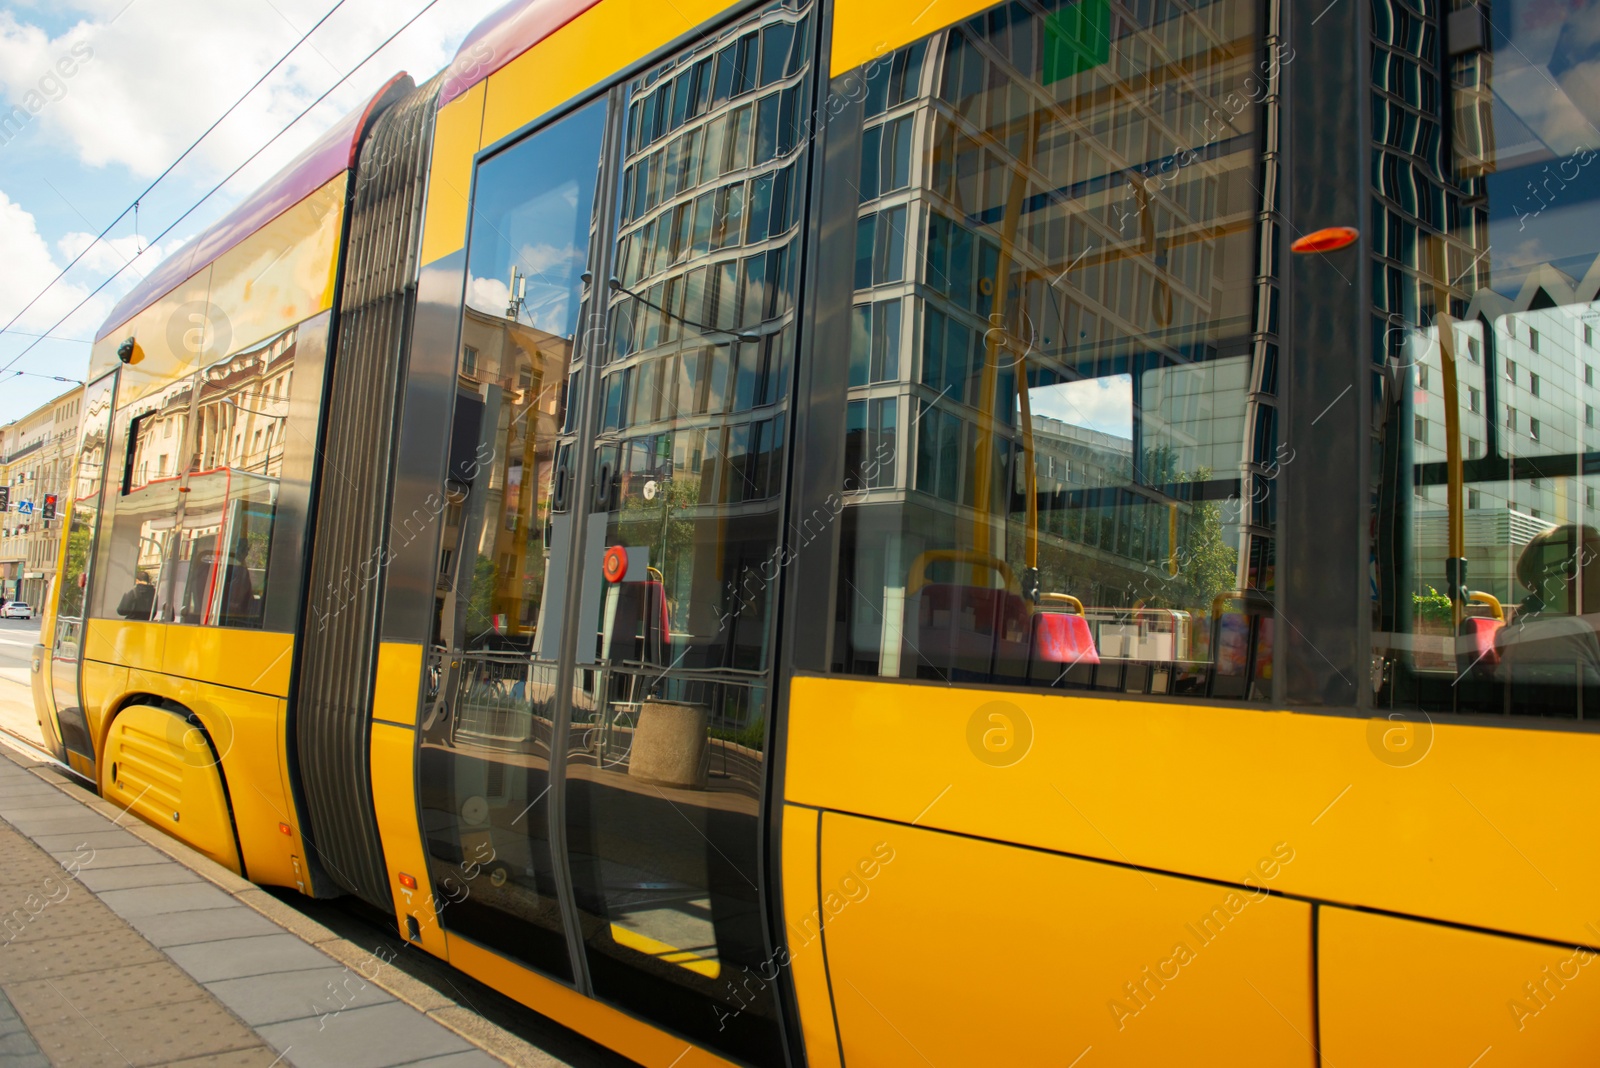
<point>666,761</point>
<point>593,760</point>
<point>63,647</point>
<point>490,738</point>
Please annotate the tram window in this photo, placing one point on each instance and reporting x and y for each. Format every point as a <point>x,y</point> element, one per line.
<point>1092,435</point>
<point>1486,594</point>
<point>86,503</point>
<point>191,537</point>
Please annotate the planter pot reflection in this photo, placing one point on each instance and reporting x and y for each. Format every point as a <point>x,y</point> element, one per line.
<point>670,746</point>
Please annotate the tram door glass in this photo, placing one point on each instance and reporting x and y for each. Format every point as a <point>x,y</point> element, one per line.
<point>83,524</point>
<point>1062,422</point>
<point>670,720</point>
<point>1486,560</point>
<point>486,747</point>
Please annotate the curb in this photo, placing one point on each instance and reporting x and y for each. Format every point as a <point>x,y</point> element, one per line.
<point>492,1039</point>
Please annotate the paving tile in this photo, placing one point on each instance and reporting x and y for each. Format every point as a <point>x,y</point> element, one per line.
<point>318,992</point>
<point>19,1050</point>
<point>76,917</point>
<point>76,952</point>
<point>373,1037</point>
<point>79,1033</point>
<point>157,983</point>
<point>285,916</point>
<point>21,794</point>
<point>91,856</point>
<point>234,958</point>
<point>150,900</point>
<point>112,838</point>
<point>17,883</point>
<point>244,1058</point>
<point>169,929</point>
<point>165,873</point>
<point>474,1058</point>
<point>82,820</point>
<point>17,1047</point>
<point>53,808</point>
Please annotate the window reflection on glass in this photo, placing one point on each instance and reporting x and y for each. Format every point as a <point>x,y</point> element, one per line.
<point>84,507</point>
<point>487,735</point>
<point>83,515</point>
<point>1067,208</point>
<point>1486,557</point>
<point>666,759</point>
<point>144,507</point>
<point>192,524</point>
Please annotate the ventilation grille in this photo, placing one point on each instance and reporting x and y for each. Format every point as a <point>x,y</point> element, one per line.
<point>339,651</point>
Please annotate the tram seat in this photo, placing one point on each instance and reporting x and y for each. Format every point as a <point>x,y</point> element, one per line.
<point>1063,649</point>
<point>1063,638</point>
<point>1481,651</point>
<point>975,633</point>
<point>1480,648</point>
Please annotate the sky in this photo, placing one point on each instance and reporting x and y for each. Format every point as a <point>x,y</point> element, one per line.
<point>111,92</point>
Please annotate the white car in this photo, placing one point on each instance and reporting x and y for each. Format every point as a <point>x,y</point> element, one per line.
<point>16,610</point>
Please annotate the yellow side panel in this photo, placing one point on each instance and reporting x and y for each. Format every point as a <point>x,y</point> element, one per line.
<point>866,29</point>
<point>630,1037</point>
<point>125,642</point>
<point>802,918</point>
<point>240,659</point>
<point>159,767</point>
<point>103,684</point>
<point>582,54</point>
<point>1399,992</point>
<point>247,729</point>
<point>399,682</point>
<point>281,274</point>
<point>948,950</point>
<point>455,140</point>
<point>1205,790</point>
<point>394,798</point>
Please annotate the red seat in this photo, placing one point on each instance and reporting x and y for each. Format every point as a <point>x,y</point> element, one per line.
<point>973,631</point>
<point>1480,632</point>
<point>1063,638</point>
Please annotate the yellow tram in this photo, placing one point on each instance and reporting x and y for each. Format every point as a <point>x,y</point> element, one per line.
<point>903,532</point>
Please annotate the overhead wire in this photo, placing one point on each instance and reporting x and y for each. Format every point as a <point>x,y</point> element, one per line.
<point>134,207</point>
<point>368,58</point>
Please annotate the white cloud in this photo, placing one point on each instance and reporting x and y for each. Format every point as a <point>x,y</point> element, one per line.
<point>1103,404</point>
<point>147,81</point>
<point>489,295</point>
<point>129,254</point>
<point>26,266</point>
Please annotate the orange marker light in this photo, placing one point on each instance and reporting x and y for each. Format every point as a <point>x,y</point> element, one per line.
<point>615,564</point>
<point>284,828</point>
<point>408,881</point>
<point>1327,240</point>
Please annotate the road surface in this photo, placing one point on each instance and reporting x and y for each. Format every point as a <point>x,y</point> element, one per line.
<point>17,639</point>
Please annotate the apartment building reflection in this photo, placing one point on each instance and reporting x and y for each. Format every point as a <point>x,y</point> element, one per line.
<point>516,375</point>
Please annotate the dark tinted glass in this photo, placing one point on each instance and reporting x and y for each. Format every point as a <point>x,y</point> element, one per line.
<point>667,756</point>
<point>486,747</point>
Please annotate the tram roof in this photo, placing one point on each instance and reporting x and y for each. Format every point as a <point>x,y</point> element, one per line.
<point>333,152</point>
<point>510,31</point>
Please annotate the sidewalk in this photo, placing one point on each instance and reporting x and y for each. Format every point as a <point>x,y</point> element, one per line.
<point>112,952</point>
